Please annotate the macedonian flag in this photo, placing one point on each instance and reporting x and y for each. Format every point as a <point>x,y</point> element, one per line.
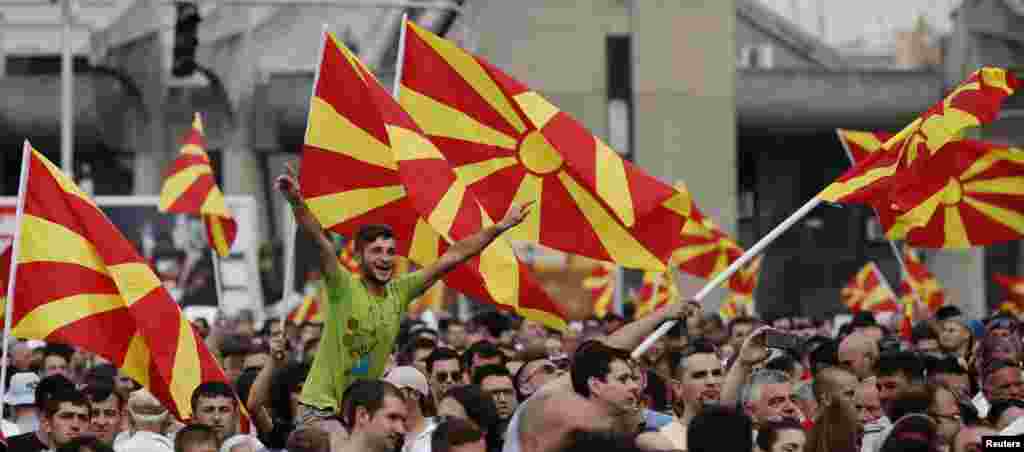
<point>859,145</point>
<point>658,289</point>
<point>889,176</point>
<point>80,282</point>
<point>920,284</point>
<point>509,145</point>
<point>191,188</point>
<point>973,195</point>
<point>347,258</point>
<point>744,282</point>
<point>600,283</point>
<point>1014,286</point>
<point>868,291</point>
<point>391,174</point>
<point>704,250</point>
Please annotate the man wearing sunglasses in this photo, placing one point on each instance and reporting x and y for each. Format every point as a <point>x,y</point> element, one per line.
<point>445,370</point>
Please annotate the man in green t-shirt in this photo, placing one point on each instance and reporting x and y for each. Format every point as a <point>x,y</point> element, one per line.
<point>362,315</point>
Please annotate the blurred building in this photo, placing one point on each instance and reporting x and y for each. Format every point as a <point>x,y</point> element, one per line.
<point>727,95</point>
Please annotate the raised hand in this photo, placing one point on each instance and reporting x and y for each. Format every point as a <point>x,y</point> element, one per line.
<point>288,184</point>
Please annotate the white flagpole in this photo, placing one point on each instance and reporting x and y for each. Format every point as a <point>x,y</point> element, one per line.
<point>881,279</point>
<point>733,268</point>
<point>291,228</point>
<point>26,156</point>
<point>289,262</point>
<point>400,62</point>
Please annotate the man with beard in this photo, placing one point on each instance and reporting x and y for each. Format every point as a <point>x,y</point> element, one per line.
<point>697,382</point>
<point>496,381</point>
<point>64,417</point>
<point>362,315</point>
<point>106,405</point>
<point>374,412</point>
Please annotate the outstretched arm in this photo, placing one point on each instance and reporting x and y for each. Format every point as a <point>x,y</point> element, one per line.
<point>465,249</point>
<point>288,184</point>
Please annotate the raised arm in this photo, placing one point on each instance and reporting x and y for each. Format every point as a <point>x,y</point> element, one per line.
<point>288,184</point>
<point>465,249</point>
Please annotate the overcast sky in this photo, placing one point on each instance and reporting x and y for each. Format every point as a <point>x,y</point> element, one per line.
<point>848,20</point>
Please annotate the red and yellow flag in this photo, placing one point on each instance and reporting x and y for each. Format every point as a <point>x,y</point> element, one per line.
<point>704,249</point>
<point>431,300</point>
<point>600,283</point>
<point>5,272</point>
<point>307,312</point>
<point>867,291</point>
<point>191,188</point>
<point>973,196</point>
<point>920,281</point>
<point>658,289</point>
<point>888,177</point>
<point>509,145</point>
<point>77,275</point>
<point>736,305</point>
<point>395,176</point>
<point>744,282</point>
<point>1014,286</point>
<point>347,257</point>
<point>859,145</point>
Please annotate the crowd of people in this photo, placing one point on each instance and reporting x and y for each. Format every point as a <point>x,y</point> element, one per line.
<point>371,378</point>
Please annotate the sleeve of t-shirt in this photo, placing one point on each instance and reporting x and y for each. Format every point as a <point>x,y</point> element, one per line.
<point>407,288</point>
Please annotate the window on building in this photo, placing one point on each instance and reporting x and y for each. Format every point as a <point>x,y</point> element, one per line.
<point>757,56</point>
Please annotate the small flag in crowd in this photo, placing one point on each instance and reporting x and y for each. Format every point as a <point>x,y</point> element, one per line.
<point>867,291</point>
<point>600,283</point>
<point>658,289</point>
<point>191,188</point>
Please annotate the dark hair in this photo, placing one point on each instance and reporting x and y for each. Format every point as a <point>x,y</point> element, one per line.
<point>61,350</point>
<point>368,395</point>
<point>285,382</point>
<point>85,443</point>
<point>194,434</point>
<point>921,332</point>
<point>995,366</point>
<point>479,407</point>
<point>212,390</point>
<point>99,391</point>
<point>704,433</point>
<point>442,354</point>
<point>235,346</point>
<point>1000,406</point>
<point>593,360</point>
<point>369,233</point>
<point>914,399</point>
<point>914,434</point>
<point>453,432</point>
<point>825,355</point>
<point>768,433</point>
<point>494,322</point>
<point>483,349</point>
<point>68,394</point>
<point>490,370</point>
<point>604,441</point>
<point>698,346</point>
<point>49,386</point>
<point>784,362</point>
<point>909,363</point>
<point>100,373</point>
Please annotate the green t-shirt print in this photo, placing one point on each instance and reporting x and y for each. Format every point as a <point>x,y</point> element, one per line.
<point>360,329</point>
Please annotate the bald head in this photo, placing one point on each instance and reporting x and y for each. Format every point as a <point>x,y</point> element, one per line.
<point>859,353</point>
<point>547,420</point>
<point>835,383</point>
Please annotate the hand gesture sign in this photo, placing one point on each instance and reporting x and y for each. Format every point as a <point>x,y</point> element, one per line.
<point>288,184</point>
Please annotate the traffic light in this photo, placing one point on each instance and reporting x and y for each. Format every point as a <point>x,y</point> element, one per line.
<point>186,39</point>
